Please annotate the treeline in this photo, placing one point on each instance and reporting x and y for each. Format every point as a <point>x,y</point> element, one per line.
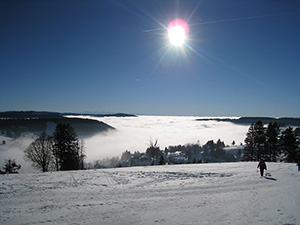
<point>63,151</point>
<point>60,151</point>
<point>179,154</point>
<point>271,143</point>
<point>262,142</point>
<point>283,122</point>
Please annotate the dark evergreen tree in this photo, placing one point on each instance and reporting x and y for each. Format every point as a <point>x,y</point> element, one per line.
<point>272,142</point>
<point>249,145</point>
<point>289,145</point>
<point>259,141</point>
<point>66,150</point>
<point>210,145</point>
<point>239,153</point>
<point>220,144</point>
<point>162,160</point>
<point>126,156</point>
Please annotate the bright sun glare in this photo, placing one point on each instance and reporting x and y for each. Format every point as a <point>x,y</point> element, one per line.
<point>177,32</point>
<point>177,35</point>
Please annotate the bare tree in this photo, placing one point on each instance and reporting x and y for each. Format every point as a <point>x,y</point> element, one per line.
<point>153,151</point>
<point>39,152</point>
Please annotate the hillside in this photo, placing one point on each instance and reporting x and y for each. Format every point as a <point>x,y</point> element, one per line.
<point>216,193</point>
<point>283,122</point>
<point>14,123</point>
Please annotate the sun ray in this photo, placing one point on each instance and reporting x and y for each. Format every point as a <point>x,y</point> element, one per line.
<point>240,18</point>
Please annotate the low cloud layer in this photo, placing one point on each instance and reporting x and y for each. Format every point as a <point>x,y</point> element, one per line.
<point>14,149</point>
<point>135,133</point>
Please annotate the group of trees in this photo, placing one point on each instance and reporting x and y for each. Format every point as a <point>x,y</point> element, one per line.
<point>154,152</point>
<point>179,154</point>
<point>271,143</point>
<point>61,151</point>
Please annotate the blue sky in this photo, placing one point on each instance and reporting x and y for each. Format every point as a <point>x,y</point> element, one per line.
<point>241,58</point>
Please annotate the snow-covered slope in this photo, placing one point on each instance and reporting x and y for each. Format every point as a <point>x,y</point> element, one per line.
<point>225,193</point>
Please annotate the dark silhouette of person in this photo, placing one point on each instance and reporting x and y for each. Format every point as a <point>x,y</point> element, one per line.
<point>262,165</point>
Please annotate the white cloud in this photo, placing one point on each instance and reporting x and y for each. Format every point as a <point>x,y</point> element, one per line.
<point>14,149</point>
<point>134,133</point>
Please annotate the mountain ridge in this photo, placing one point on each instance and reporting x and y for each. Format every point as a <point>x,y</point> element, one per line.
<point>15,123</point>
<point>283,121</point>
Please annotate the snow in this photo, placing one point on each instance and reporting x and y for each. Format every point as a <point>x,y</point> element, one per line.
<point>216,193</point>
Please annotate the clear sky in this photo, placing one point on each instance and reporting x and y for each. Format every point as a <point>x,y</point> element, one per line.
<point>240,58</point>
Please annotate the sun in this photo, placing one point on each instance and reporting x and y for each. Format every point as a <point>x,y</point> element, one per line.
<point>177,32</point>
<point>176,35</point>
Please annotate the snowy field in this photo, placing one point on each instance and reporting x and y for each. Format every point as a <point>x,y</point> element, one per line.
<point>226,193</point>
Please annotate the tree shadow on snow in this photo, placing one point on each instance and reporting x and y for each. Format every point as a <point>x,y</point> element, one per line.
<point>271,178</point>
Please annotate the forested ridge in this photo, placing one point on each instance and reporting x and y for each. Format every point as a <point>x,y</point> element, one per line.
<point>14,123</point>
<point>282,122</point>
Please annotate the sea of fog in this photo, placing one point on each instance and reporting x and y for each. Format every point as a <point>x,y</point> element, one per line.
<point>135,134</point>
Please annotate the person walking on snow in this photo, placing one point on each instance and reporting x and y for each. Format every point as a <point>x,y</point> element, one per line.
<point>262,165</point>
<point>298,164</point>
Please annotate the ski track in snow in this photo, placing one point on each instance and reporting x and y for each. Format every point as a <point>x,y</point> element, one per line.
<point>216,193</point>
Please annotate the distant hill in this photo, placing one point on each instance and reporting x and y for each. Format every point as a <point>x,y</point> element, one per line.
<point>29,114</point>
<point>100,115</point>
<point>45,114</point>
<point>283,122</point>
<point>14,123</point>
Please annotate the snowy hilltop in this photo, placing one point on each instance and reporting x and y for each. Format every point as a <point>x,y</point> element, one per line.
<point>215,193</point>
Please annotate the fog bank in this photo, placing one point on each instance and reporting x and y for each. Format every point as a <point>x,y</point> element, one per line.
<point>14,149</point>
<point>134,134</point>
